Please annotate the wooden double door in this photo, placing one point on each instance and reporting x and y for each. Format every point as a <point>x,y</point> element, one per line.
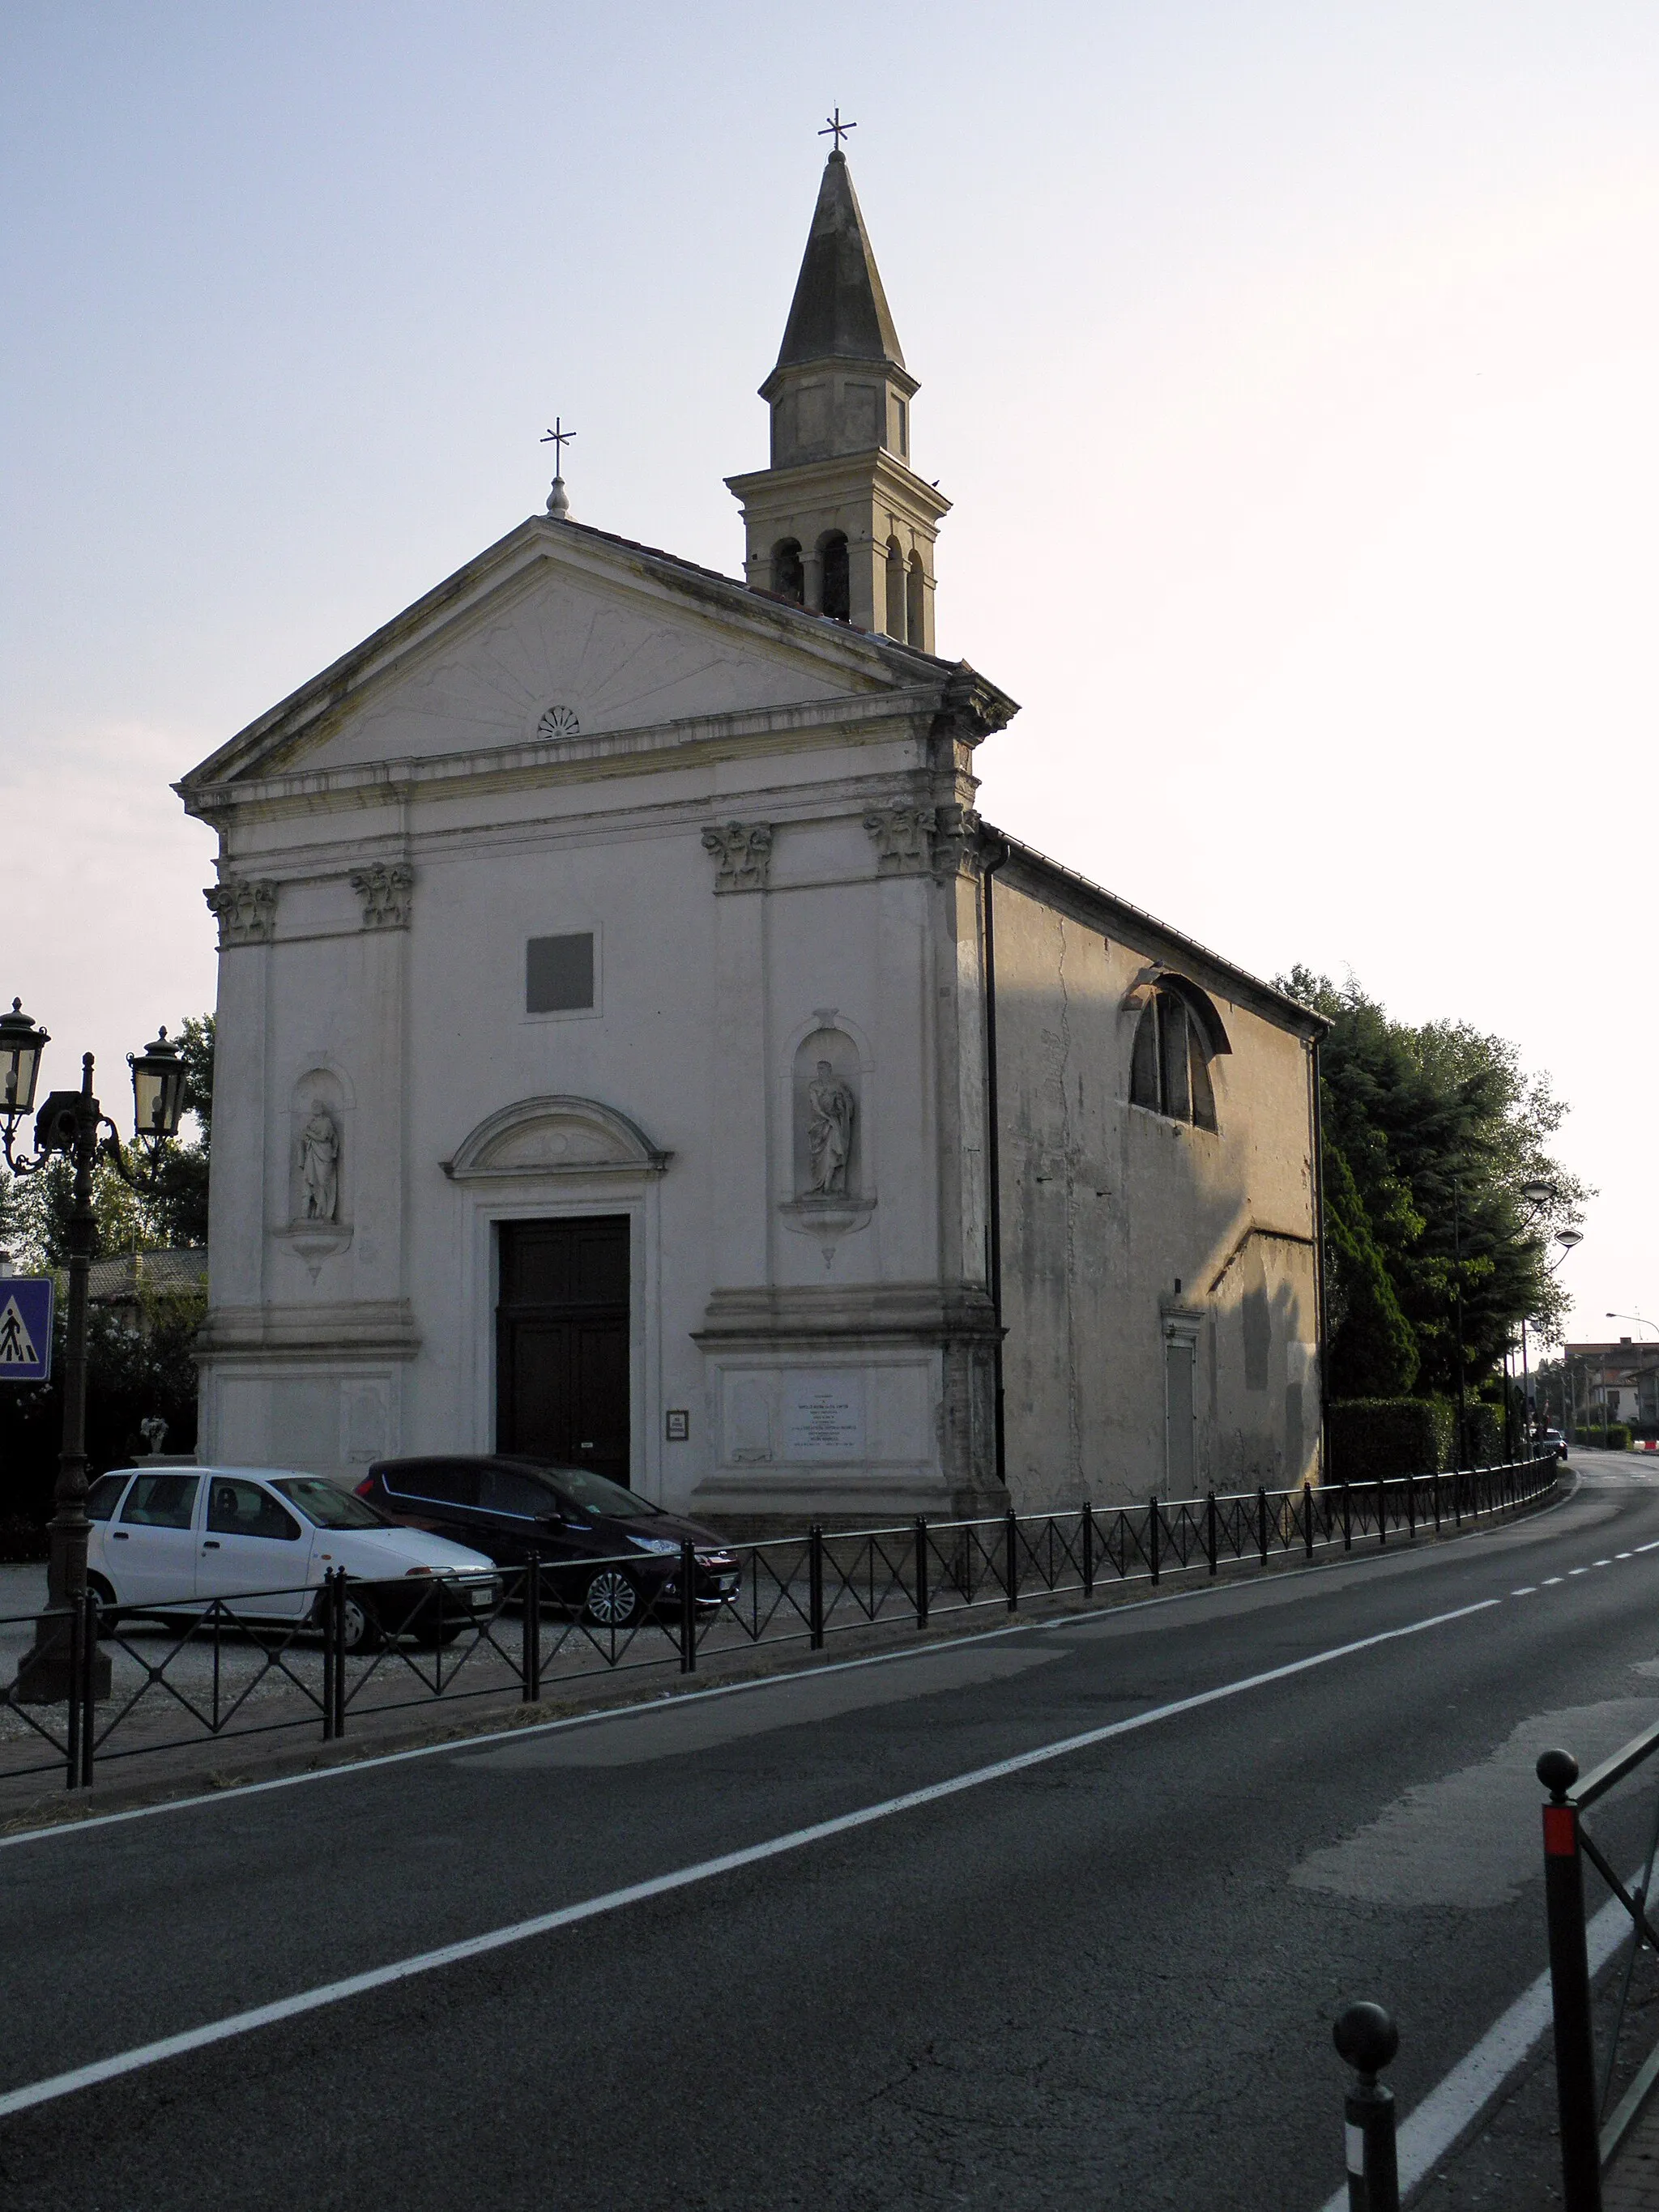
<point>561,1342</point>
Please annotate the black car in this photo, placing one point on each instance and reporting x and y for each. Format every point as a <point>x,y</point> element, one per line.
<point>515,1510</point>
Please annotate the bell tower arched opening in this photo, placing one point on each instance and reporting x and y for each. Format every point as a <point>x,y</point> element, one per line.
<point>837,576</point>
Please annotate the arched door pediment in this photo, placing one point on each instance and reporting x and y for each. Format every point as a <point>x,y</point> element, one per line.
<point>558,1136</point>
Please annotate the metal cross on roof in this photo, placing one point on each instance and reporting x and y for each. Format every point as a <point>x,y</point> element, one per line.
<point>558,437</point>
<point>836,128</point>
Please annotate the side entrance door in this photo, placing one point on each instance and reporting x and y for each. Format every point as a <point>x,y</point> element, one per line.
<point>1180,1418</point>
<point>562,1335</point>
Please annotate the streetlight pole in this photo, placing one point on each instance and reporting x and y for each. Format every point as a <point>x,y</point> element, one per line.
<point>70,1123</point>
<point>43,1672</point>
<point>1458,1271</point>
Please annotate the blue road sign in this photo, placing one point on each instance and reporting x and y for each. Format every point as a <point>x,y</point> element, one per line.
<point>25,1328</point>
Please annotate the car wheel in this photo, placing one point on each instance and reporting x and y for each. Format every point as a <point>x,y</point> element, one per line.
<point>612,1600</point>
<point>431,1637</point>
<point>107,1616</point>
<point>362,1628</point>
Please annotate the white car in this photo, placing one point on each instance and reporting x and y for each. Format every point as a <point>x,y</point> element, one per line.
<point>184,1536</point>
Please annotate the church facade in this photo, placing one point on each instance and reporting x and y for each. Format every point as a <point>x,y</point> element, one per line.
<point>634,1048</point>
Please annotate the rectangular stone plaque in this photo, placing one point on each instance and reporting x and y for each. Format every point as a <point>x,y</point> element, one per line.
<point>824,1417</point>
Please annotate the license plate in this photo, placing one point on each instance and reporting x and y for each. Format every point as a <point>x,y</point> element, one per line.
<point>480,1596</point>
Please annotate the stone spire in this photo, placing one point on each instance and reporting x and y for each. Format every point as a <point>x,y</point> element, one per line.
<point>839,523</point>
<point>839,311</point>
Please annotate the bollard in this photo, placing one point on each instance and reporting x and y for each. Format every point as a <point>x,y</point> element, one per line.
<point>1367,2038</point>
<point>1569,1988</point>
<point>921,1571</point>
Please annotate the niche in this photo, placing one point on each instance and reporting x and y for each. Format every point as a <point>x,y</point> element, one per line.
<point>319,1167</point>
<point>828,1119</point>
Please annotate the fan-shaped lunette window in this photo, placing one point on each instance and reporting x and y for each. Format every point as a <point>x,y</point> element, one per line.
<point>1170,1067</point>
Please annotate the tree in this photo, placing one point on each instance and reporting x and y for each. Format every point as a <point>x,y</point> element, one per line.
<point>1373,1347</point>
<point>1440,1128</point>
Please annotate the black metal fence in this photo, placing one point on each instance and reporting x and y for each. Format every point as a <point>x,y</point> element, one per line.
<point>235,1667</point>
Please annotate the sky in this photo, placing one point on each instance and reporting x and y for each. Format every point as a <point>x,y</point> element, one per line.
<point>1291,368</point>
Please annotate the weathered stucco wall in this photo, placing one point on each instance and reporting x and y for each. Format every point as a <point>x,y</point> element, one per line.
<point>1121,1228</point>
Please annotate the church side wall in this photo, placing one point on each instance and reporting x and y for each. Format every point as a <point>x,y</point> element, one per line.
<point>1124,1233</point>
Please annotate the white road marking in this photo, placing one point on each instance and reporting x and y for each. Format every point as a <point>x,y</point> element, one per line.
<point>1602,1563</point>
<point>1550,1581</point>
<point>1653,1546</point>
<point>1577,1571</point>
<point>1624,1555</point>
<point>1529,1590</point>
<point>544,1924</point>
<point>1452,2107</point>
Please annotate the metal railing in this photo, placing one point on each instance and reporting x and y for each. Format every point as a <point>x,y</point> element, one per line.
<point>277,1660</point>
<point>1590,2136</point>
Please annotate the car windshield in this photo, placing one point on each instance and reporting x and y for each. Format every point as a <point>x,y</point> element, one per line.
<point>596,1494</point>
<point>327,1507</point>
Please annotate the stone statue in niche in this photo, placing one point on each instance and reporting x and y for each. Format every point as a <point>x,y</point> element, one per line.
<point>319,1164</point>
<point>828,1131</point>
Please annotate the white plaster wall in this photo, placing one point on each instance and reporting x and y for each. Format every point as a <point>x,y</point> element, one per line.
<point>1116,1222</point>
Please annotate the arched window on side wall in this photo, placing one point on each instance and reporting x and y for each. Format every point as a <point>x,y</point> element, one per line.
<point>915,613</point>
<point>1170,1070</point>
<point>788,577</point>
<point>895,589</point>
<point>837,578</point>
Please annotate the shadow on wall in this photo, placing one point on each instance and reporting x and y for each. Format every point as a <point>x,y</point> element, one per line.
<point>1274,1442</point>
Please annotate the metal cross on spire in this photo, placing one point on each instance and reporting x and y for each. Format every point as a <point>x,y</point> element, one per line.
<point>558,437</point>
<point>836,128</point>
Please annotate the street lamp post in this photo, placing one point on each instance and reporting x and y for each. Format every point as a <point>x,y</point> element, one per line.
<point>68,1123</point>
<point>1538,1195</point>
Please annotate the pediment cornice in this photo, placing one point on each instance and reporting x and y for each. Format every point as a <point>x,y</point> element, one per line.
<point>273,748</point>
<point>858,718</point>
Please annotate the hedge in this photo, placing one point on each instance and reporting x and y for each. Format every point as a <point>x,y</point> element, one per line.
<point>1617,1438</point>
<point>1389,1436</point>
<point>1386,1437</point>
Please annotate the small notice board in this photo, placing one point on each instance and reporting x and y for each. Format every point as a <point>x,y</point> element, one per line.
<point>25,1328</point>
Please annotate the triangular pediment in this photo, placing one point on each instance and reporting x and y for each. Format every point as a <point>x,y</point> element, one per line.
<point>560,633</point>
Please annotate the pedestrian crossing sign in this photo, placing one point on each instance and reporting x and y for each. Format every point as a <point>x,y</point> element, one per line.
<point>25,1328</point>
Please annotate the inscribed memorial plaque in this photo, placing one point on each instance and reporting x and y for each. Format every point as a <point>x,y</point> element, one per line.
<point>823,1416</point>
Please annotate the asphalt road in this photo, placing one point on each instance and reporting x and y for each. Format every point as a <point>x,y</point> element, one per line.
<point>1103,1977</point>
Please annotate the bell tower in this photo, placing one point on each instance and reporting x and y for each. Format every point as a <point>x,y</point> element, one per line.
<point>840,523</point>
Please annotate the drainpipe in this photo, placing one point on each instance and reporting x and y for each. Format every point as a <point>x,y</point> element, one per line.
<point>1321,1319</point>
<point>993,1148</point>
